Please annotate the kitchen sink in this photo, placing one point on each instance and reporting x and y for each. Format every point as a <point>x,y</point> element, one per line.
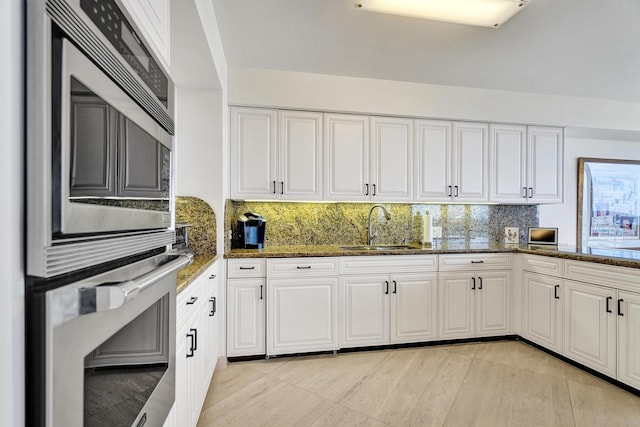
<point>373,247</point>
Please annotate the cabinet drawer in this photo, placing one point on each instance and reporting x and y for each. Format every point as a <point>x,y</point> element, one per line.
<point>302,267</point>
<point>606,275</point>
<point>543,265</point>
<point>249,267</point>
<point>470,262</point>
<point>388,264</point>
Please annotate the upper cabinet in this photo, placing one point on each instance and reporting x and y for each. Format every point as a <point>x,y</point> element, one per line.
<point>276,155</point>
<point>452,161</point>
<point>368,158</point>
<point>152,18</point>
<point>527,164</point>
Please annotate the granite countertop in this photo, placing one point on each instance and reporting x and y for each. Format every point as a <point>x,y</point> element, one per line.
<point>187,274</point>
<point>617,257</point>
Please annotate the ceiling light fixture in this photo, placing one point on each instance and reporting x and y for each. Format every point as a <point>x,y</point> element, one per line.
<point>485,13</point>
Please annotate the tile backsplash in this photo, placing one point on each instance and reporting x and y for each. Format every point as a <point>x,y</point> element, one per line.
<point>293,223</point>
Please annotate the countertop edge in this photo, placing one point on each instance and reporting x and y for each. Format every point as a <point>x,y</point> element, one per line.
<point>188,274</point>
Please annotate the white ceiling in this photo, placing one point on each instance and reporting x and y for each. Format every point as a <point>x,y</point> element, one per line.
<point>585,48</point>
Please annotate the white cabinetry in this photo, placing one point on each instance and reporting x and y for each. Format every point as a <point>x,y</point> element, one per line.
<point>368,158</point>
<point>196,345</point>
<point>527,164</point>
<point>246,293</point>
<point>152,18</point>
<point>276,155</point>
<point>452,161</point>
<point>628,310</point>
<point>387,300</point>
<point>474,295</point>
<point>302,305</point>
<point>543,301</point>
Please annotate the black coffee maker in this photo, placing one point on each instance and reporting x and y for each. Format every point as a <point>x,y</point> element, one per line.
<point>251,229</point>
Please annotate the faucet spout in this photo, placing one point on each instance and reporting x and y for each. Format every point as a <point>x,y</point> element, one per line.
<point>373,234</point>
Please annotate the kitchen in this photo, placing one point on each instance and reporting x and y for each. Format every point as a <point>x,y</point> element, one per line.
<point>207,83</point>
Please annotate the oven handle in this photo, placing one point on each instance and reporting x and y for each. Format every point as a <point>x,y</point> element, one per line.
<point>116,295</point>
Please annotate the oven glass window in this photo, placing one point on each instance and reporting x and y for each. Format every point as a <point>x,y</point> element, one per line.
<point>121,373</point>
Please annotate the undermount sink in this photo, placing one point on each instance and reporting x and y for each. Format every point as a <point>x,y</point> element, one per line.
<point>373,247</point>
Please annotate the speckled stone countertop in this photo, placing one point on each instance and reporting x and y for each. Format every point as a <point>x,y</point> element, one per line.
<point>187,274</point>
<point>617,257</point>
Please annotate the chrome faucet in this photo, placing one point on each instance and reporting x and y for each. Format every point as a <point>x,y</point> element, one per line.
<point>373,235</point>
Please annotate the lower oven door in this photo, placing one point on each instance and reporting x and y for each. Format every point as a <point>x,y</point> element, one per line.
<point>111,347</point>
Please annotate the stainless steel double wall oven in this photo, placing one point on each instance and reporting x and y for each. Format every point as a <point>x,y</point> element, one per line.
<point>101,283</point>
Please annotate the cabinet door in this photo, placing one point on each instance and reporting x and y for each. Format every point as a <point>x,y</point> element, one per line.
<point>433,160</point>
<point>246,317</point>
<point>456,305</point>
<point>543,310</point>
<point>302,315</point>
<point>629,339</point>
<point>253,153</point>
<point>493,290</point>
<point>414,308</point>
<point>93,147</point>
<point>211,321</point>
<point>391,159</point>
<point>347,157</point>
<point>546,176</point>
<point>470,162</point>
<point>508,158</point>
<point>364,311</point>
<point>300,155</point>
<point>590,326</point>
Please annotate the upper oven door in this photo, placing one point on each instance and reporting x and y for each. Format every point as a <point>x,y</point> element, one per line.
<point>115,159</point>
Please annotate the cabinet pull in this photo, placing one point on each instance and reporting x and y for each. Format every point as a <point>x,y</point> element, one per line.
<point>524,192</point>
<point>253,267</point>
<point>395,287</point>
<point>281,187</point>
<point>374,189</point>
<point>192,300</point>
<point>449,193</point>
<point>473,288</point>
<point>555,291</point>
<point>213,276</point>
<point>386,290</point>
<point>531,192</point>
<point>608,309</point>
<point>477,262</point>
<point>212,300</point>
<point>620,313</point>
<point>456,188</point>
<point>195,339</point>
<point>304,267</point>
<point>193,346</point>
<point>261,291</point>
<point>366,192</point>
<point>274,187</point>
<point>480,287</point>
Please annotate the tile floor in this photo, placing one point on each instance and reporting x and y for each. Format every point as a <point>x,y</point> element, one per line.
<point>504,383</point>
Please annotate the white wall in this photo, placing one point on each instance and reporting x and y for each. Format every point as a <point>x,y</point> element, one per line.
<point>350,94</point>
<point>564,216</point>
<point>11,216</point>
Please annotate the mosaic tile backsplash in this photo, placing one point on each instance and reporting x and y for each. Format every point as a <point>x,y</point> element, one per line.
<point>346,223</point>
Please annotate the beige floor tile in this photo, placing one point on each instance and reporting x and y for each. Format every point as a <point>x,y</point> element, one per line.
<point>338,415</point>
<point>392,390</point>
<point>330,376</point>
<point>494,394</point>
<point>271,365</point>
<point>603,405</point>
<point>228,381</point>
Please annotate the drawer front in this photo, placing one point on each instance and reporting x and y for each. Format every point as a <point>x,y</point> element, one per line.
<point>543,265</point>
<point>246,267</point>
<point>302,267</point>
<point>388,264</point>
<point>471,262</point>
<point>606,275</point>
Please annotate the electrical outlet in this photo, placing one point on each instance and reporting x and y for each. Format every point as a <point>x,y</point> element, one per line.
<point>436,232</point>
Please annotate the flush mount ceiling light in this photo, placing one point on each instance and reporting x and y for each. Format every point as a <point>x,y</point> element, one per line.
<point>485,13</point>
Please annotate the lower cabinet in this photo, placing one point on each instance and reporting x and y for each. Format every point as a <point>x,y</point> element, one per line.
<point>628,310</point>
<point>196,345</point>
<point>246,300</point>
<point>543,310</point>
<point>474,304</point>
